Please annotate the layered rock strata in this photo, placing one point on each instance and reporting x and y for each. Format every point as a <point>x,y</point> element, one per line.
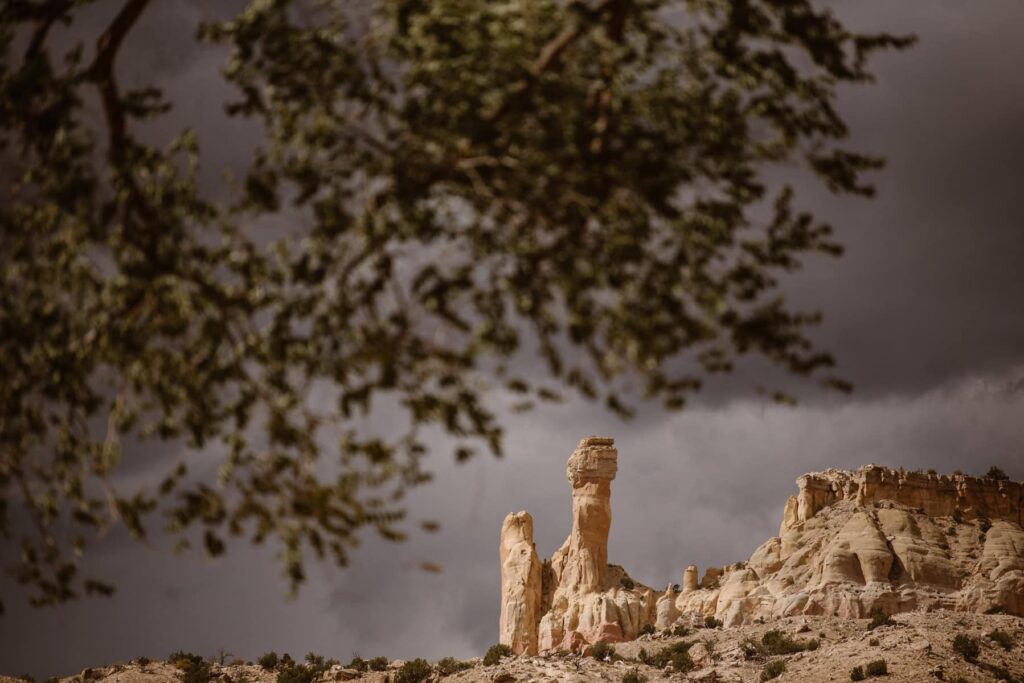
<point>898,541</point>
<point>849,542</point>
<point>583,599</point>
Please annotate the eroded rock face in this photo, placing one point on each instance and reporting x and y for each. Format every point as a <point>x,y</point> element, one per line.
<point>849,542</point>
<point>520,584</point>
<point>584,600</point>
<point>879,538</point>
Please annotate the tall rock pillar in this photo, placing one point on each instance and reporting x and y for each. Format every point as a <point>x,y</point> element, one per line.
<point>592,466</point>
<point>520,584</point>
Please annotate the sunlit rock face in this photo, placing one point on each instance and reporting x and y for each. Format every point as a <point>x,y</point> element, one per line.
<point>520,584</point>
<point>898,541</point>
<point>584,600</point>
<point>850,542</point>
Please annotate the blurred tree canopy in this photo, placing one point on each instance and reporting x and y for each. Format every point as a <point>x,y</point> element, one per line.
<point>456,185</point>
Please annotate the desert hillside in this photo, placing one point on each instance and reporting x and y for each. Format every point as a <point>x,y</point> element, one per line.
<point>915,647</point>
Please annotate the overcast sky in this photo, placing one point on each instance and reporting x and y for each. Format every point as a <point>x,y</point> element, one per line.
<point>924,313</point>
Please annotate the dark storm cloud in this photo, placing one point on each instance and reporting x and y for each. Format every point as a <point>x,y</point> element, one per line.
<point>923,313</point>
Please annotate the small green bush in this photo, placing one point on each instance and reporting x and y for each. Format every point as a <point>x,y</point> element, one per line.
<point>1002,638</point>
<point>996,609</point>
<point>857,673</point>
<point>873,642</point>
<point>647,630</point>
<point>877,668</point>
<point>450,665</point>
<point>773,670</point>
<point>414,671</point>
<point>381,663</point>
<point>495,653</point>
<point>966,646</point>
<point>602,651</point>
<point>295,673</point>
<point>776,642</point>
<point>804,629</point>
<point>142,661</point>
<point>879,618</point>
<point>997,474</point>
<point>633,676</point>
<point>627,583</point>
<point>677,654</point>
<point>711,622</point>
<point>680,631</point>
<point>268,660</point>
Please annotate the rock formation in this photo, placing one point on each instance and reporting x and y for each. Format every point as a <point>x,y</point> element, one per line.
<point>849,542</point>
<point>520,584</point>
<point>583,598</point>
<point>898,541</point>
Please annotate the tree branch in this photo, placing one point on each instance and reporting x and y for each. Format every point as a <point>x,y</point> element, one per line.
<point>101,72</point>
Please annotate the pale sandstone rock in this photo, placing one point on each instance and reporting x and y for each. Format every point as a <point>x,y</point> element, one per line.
<point>690,579</point>
<point>849,542</point>
<point>520,584</point>
<point>879,538</point>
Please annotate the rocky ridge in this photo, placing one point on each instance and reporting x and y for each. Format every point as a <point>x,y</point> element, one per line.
<point>850,542</point>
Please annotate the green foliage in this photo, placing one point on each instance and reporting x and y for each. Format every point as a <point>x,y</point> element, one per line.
<point>414,671</point>
<point>997,474</point>
<point>711,622</point>
<point>967,647</point>
<point>773,670</point>
<point>193,667</point>
<point>142,661</point>
<point>602,651</point>
<point>627,583</point>
<point>647,630</point>
<point>680,631</point>
<point>377,664</point>
<point>877,667</point>
<point>633,676</point>
<point>1002,638</point>
<point>450,665</point>
<point>776,642</point>
<point>879,618</point>
<point>495,653</point>
<point>268,660</point>
<point>434,191</point>
<point>996,609</point>
<point>857,673</point>
<point>677,654</point>
<point>873,642</point>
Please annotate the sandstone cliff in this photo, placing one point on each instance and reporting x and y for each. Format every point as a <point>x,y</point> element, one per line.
<point>879,538</point>
<point>849,542</point>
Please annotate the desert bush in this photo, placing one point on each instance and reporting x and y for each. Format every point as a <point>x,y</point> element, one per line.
<point>711,622</point>
<point>295,673</point>
<point>997,474</point>
<point>627,583</point>
<point>876,668</point>
<point>773,670</point>
<point>1002,638</point>
<point>873,642</point>
<point>495,653</point>
<point>633,676</point>
<point>804,629</point>
<point>180,659</point>
<point>53,679</point>
<point>677,654</point>
<point>450,665</point>
<point>996,609</point>
<point>647,630</point>
<point>602,651</point>
<point>966,646</point>
<point>984,523</point>
<point>776,642</point>
<point>142,661</point>
<point>857,673</point>
<point>680,631</point>
<point>381,663</point>
<point>951,531</point>
<point>414,671</point>
<point>268,660</point>
<point>879,618</point>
